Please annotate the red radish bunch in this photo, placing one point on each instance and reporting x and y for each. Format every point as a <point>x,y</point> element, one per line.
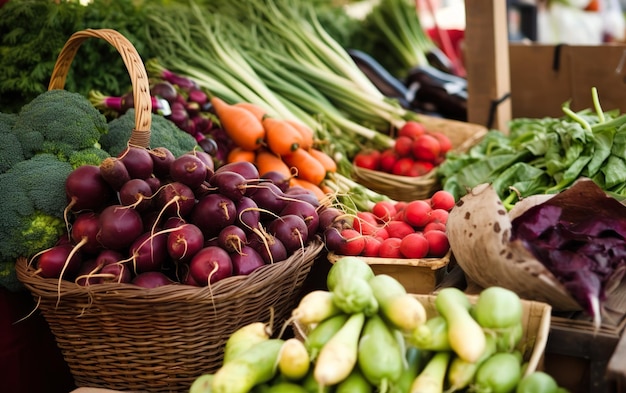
<point>409,230</point>
<point>415,153</point>
<point>151,219</point>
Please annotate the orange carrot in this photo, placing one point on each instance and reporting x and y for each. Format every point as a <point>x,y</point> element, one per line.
<point>267,161</point>
<point>280,136</point>
<point>319,193</point>
<point>237,154</point>
<point>241,125</point>
<point>308,167</point>
<point>254,108</point>
<point>308,136</point>
<point>327,161</point>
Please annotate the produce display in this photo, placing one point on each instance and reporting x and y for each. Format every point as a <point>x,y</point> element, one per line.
<point>412,230</point>
<point>273,127</point>
<point>367,334</point>
<point>544,156</point>
<point>415,152</point>
<point>151,218</point>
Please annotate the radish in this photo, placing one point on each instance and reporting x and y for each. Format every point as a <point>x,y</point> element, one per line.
<point>442,200</point>
<point>353,243</point>
<point>115,272</point>
<point>269,197</point>
<point>416,213</point>
<point>307,212</point>
<point>212,213</point>
<point>291,230</point>
<point>246,260</point>
<point>136,193</point>
<point>232,239</point>
<point>434,225</point>
<point>331,217</point>
<point>86,274</point>
<point>119,227</point>
<point>230,184</point>
<point>84,232</point>
<point>149,251</point>
<point>398,229</point>
<point>184,242</point>
<point>276,178</point>
<point>155,183</point>
<point>333,239</point>
<point>426,147</point>
<point>384,210</point>
<point>414,246</point>
<point>206,159</point>
<point>210,265</point>
<point>438,243</point>
<point>302,194</point>
<point>176,199</point>
<point>248,214</point>
<point>390,248</point>
<point>371,246</point>
<point>58,262</point>
<point>244,168</point>
<point>188,170</point>
<point>86,189</point>
<point>137,161</point>
<point>114,172</point>
<point>162,159</point>
<point>438,215</point>
<point>152,280</point>
<point>365,222</point>
<point>269,247</point>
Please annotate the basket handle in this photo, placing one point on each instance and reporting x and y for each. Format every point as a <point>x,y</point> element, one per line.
<point>140,135</point>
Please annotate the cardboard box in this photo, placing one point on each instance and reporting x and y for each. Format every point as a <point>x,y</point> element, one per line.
<point>543,77</point>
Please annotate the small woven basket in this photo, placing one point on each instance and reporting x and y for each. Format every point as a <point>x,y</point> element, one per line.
<point>406,188</point>
<point>129,338</point>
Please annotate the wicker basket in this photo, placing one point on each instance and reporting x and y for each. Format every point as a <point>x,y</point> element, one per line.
<point>419,276</point>
<point>125,337</point>
<point>405,188</point>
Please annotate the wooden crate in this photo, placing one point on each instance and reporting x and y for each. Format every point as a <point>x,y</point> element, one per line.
<point>578,358</point>
<point>418,276</point>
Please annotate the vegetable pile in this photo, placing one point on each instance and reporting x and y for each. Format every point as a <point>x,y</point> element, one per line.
<point>544,156</point>
<point>366,334</point>
<point>150,218</point>
<point>413,230</point>
<point>415,152</point>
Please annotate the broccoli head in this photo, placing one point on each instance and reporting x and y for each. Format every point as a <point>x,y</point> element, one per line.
<point>32,205</point>
<point>88,156</point>
<point>163,133</point>
<point>59,122</point>
<point>10,147</point>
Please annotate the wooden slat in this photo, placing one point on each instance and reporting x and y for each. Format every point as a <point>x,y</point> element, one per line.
<point>487,63</point>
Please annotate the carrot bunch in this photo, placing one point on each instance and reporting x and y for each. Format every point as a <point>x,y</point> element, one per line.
<point>274,144</point>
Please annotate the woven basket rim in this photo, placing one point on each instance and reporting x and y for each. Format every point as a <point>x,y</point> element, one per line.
<point>223,289</point>
<point>140,135</point>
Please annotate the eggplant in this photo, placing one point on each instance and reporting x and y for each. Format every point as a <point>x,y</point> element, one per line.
<point>389,85</point>
<point>437,91</point>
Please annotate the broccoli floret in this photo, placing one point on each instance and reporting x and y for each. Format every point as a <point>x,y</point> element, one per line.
<point>59,122</point>
<point>89,156</point>
<point>32,206</point>
<point>163,133</point>
<point>10,147</point>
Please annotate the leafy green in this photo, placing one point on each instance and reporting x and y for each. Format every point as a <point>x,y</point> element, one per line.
<point>544,155</point>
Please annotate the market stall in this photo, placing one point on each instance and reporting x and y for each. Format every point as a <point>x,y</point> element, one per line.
<point>278,196</point>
